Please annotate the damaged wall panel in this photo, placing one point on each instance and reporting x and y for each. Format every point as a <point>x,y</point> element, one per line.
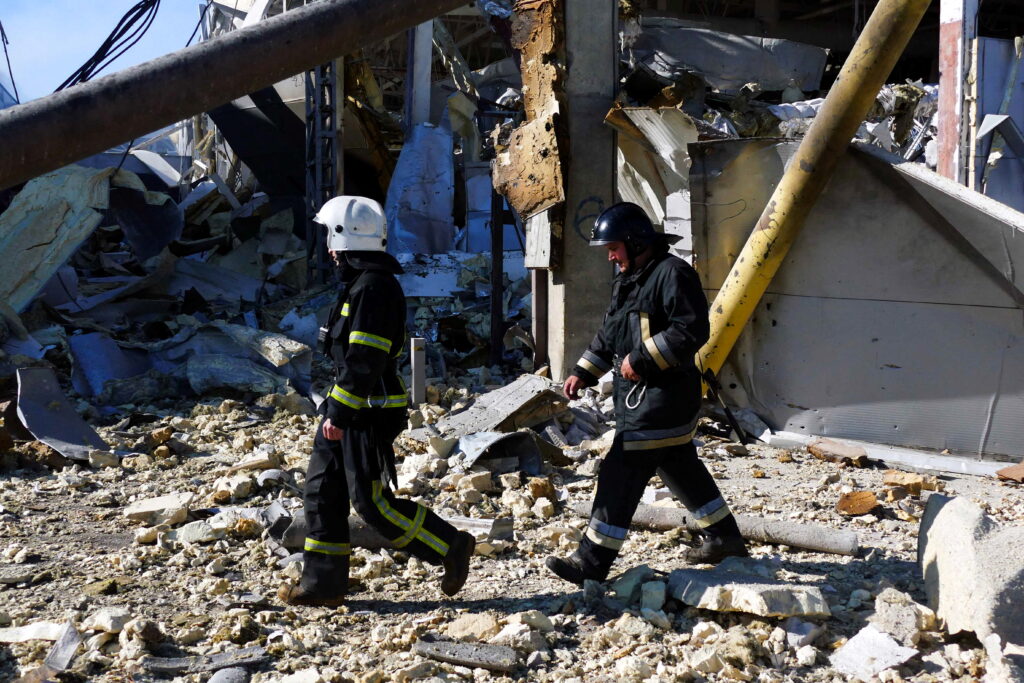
<point>883,324</point>
<point>530,171</point>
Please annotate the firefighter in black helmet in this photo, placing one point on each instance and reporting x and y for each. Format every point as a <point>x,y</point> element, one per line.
<point>654,326</point>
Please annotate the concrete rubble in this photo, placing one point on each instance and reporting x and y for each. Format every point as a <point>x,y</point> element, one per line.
<point>160,574</point>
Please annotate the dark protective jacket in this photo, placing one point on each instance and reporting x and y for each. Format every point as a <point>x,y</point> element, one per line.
<point>365,337</point>
<point>658,316</point>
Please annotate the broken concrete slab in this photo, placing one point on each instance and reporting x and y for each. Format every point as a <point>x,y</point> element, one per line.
<point>897,614</point>
<point>48,415</point>
<point>473,655</point>
<point>40,630</point>
<point>973,569</point>
<point>729,591</point>
<point>170,509</point>
<point>526,402</point>
<point>249,656</point>
<point>869,653</point>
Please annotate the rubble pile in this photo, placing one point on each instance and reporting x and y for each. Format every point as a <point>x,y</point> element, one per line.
<point>160,558</point>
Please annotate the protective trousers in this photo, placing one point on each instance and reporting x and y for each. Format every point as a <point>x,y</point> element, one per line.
<point>620,485</point>
<point>351,470</point>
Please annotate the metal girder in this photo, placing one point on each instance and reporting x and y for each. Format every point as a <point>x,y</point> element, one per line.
<point>56,130</point>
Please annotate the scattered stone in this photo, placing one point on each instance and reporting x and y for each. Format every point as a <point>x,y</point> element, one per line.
<point>869,653</point>
<point>653,594</point>
<point>170,509</point>
<point>107,620</point>
<point>973,569</point>
<point>856,503</point>
<point>838,452</point>
<point>633,668</point>
<point>101,587</point>
<point>806,655</point>
<point>910,481</point>
<point>158,437</point>
<point>474,627</point>
<point>628,586</point>
<point>311,675</point>
<point>194,532</point>
<point>897,614</point>
<point>415,672</point>
<point>656,618</point>
<point>12,574</point>
<point>520,637</point>
<point>706,660</point>
<point>258,461</point>
<point>541,487</point>
<point>40,630</point>
<point>237,487</point>
<point>543,508</point>
<point>534,619</point>
<point>101,459</point>
<point>231,675</point>
<point>477,481</point>
<point>801,633</point>
<point>726,591</point>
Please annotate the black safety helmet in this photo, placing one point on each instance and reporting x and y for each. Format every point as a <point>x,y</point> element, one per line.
<point>627,223</point>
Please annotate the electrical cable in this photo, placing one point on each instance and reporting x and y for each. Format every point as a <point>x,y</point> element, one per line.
<point>198,23</point>
<point>3,39</point>
<point>126,34</point>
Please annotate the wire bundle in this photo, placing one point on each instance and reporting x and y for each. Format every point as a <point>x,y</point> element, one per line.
<point>129,30</point>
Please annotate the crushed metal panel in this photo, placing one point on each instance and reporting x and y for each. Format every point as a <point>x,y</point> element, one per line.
<point>46,413</point>
<point>44,225</point>
<point>727,61</point>
<point>879,326</point>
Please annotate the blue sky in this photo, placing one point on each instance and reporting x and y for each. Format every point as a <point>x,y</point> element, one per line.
<point>50,39</point>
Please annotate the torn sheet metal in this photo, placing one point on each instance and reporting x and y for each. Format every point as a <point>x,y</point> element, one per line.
<point>500,452</point>
<point>653,160</point>
<point>419,204</point>
<point>726,61</point>
<point>44,225</point>
<point>45,411</point>
<point>150,220</point>
<point>895,319</point>
<point>214,282</point>
<point>98,359</point>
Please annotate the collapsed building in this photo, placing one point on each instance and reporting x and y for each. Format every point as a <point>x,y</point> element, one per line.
<point>185,263</point>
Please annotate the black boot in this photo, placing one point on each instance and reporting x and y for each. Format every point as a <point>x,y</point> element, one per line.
<point>572,570</point>
<point>324,582</point>
<point>714,549</point>
<point>456,563</point>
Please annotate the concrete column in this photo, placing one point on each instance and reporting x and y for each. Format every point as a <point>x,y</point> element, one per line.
<point>957,34</point>
<point>579,289</point>
<point>420,59</point>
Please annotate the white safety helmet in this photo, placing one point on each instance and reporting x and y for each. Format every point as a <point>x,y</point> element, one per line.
<point>353,224</point>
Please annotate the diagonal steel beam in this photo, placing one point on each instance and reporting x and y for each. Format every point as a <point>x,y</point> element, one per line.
<point>45,134</point>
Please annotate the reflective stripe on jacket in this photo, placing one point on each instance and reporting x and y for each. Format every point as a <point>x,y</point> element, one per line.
<point>366,336</point>
<point>658,317</point>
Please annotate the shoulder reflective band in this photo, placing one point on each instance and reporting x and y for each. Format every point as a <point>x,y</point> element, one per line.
<point>342,396</point>
<point>344,310</point>
<point>368,339</point>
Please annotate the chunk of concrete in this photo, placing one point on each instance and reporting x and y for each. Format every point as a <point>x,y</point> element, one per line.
<point>652,595</point>
<point>728,591</point>
<point>169,509</point>
<point>474,627</point>
<point>869,653</point>
<point>108,620</point>
<point>897,614</point>
<point>801,633</point>
<point>973,569</point>
<point>629,585</point>
<point>474,655</point>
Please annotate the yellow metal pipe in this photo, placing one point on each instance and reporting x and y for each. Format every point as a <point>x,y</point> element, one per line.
<point>879,46</point>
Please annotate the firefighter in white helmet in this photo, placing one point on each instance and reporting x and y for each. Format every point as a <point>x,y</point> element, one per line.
<point>353,459</point>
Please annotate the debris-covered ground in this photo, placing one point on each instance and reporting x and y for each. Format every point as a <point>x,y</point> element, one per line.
<point>196,575</point>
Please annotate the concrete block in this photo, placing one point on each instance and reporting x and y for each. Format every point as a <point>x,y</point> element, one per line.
<point>973,569</point>
<point>727,591</point>
<point>169,509</point>
<point>897,614</point>
<point>869,653</point>
<point>474,627</point>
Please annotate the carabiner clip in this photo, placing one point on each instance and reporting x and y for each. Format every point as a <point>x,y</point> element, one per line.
<point>630,403</point>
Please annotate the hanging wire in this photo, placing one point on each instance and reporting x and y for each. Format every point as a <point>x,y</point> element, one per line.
<point>202,16</point>
<point>3,39</point>
<point>126,34</point>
